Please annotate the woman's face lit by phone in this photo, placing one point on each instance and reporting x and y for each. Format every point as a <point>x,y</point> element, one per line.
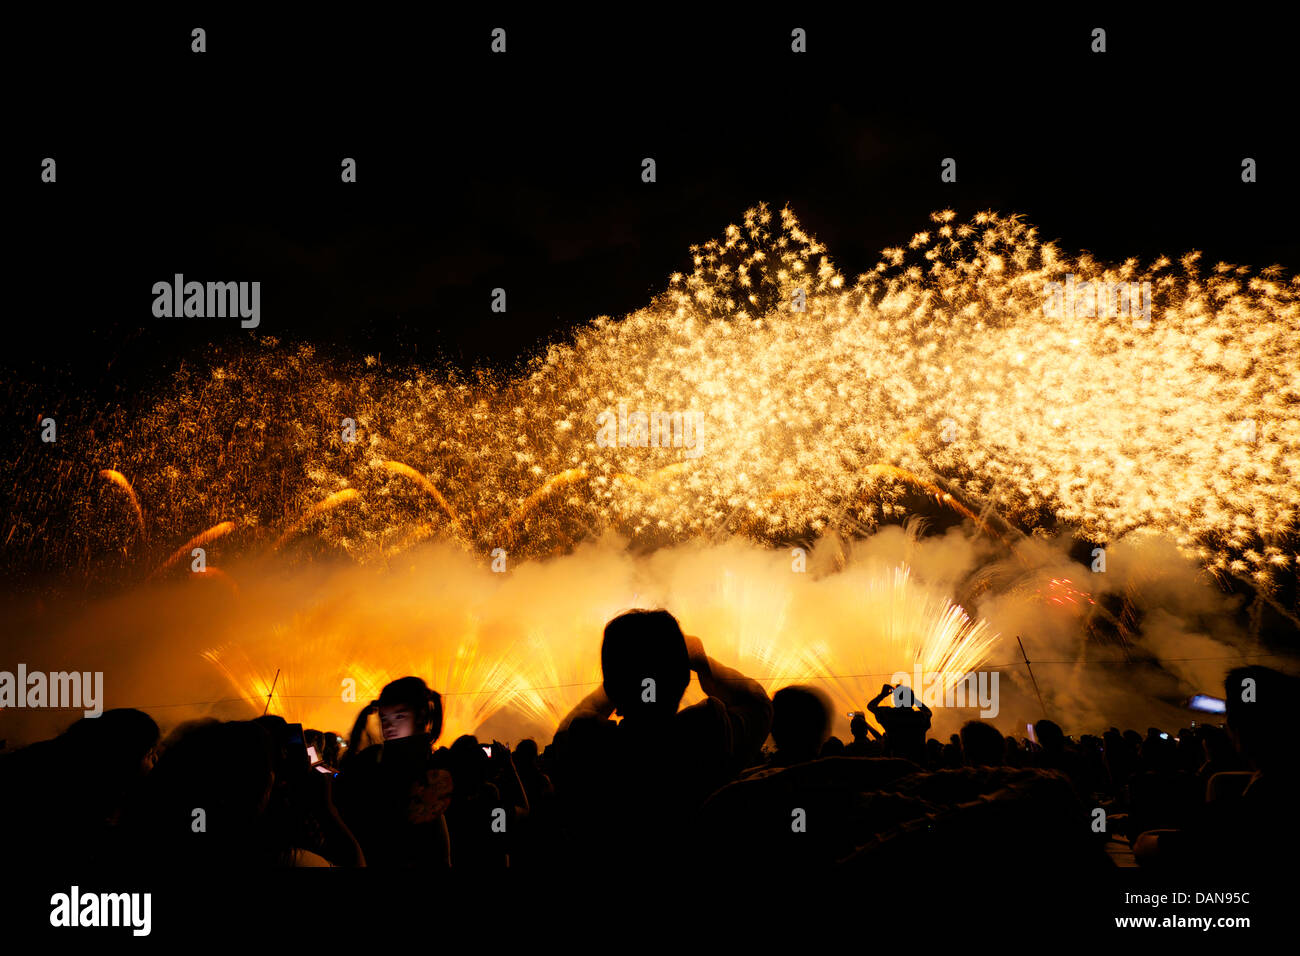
<point>397,720</point>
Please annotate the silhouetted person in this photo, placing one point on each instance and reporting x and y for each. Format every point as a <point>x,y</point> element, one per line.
<point>1219,755</point>
<point>627,790</point>
<point>834,747</point>
<point>982,745</point>
<point>113,752</point>
<point>537,785</point>
<point>1246,827</point>
<point>801,721</point>
<point>1057,754</point>
<point>301,807</point>
<point>905,726</point>
<point>533,838</point>
<point>204,804</point>
<point>63,799</point>
<point>1121,761</point>
<point>867,741</point>
<point>394,795</point>
<point>479,821</point>
<point>487,803</point>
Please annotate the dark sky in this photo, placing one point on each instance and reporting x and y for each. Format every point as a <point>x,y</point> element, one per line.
<point>522,171</point>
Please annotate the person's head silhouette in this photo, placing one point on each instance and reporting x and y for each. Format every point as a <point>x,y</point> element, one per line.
<point>1260,702</point>
<point>645,664</point>
<point>801,721</point>
<point>526,754</point>
<point>468,764</point>
<point>1050,736</point>
<point>982,744</point>
<point>858,726</point>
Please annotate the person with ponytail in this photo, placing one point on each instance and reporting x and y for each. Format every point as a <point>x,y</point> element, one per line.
<point>391,793</point>
<point>406,707</point>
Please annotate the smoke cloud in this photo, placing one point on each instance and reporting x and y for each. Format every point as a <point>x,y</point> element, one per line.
<point>513,651</point>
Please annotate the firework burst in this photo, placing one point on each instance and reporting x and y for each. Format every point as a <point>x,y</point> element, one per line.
<point>936,376</point>
<point>935,381</point>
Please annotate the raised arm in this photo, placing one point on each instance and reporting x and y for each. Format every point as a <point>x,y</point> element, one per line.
<point>596,704</point>
<point>725,683</point>
<point>873,705</point>
<point>743,697</point>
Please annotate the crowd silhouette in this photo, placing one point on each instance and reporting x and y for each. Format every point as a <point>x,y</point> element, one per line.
<point>633,779</point>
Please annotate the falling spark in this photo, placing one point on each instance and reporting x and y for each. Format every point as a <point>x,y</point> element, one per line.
<point>200,539</point>
<point>119,479</point>
<point>397,468</point>
<point>320,508</point>
<point>567,477</point>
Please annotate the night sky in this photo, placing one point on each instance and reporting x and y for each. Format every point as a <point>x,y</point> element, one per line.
<point>523,171</point>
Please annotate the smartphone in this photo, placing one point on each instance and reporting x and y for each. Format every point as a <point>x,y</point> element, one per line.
<point>1164,736</point>
<point>1207,704</point>
<point>312,757</point>
<point>487,749</point>
<point>1029,729</point>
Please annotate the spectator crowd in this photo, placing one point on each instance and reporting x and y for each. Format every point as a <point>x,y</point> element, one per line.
<point>663,784</point>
